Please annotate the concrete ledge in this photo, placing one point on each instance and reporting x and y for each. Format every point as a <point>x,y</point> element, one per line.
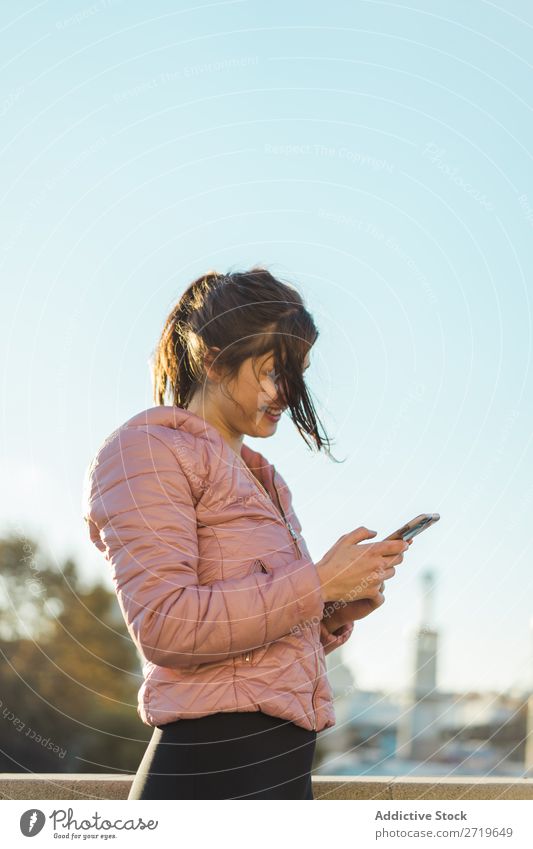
<point>401,787</point>
<point>51,785</point>
<point>56,785</point>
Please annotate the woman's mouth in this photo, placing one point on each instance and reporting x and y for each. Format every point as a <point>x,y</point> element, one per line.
<point>273,415</point>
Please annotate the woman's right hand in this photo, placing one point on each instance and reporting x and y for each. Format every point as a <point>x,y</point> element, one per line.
<point>350,570</point>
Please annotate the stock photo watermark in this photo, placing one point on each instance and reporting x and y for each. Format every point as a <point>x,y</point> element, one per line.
<point>435,154</point>
<point>388,241</point>
<point>332,606</point>
<point>51,182</point>
<point>415,395</point>
<point>30,733</point>
<point>186,73</point>
<point>496,458</point>
<point>525,205</point>
<point>33,584</point>
<point>354,157</point>
<point>85,14</point>
<point>10,100</point>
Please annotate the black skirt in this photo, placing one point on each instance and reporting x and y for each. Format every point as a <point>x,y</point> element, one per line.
<point>227,755</point>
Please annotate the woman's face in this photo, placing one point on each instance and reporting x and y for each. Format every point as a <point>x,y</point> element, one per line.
<point>257,404</point>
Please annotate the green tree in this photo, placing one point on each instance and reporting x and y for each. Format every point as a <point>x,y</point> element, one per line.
<point>70,672</point>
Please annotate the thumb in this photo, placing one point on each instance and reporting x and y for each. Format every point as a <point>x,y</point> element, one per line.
<point>358,535</point>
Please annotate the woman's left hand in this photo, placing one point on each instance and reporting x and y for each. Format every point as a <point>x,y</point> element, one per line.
<point>352,610</point>
<point>330,641</point>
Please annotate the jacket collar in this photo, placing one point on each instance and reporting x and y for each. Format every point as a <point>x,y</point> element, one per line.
<point>179,418</point>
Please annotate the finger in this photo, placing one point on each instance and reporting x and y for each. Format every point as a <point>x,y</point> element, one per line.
<point>386,562</point>
<point>390,547</point>
<point>358,535</point>
<point>373,597</point>
<point>376,577</point>
<point>396,560</point>
<point>344,629</point>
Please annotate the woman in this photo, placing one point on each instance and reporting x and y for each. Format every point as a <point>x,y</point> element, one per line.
<point>231,617</point>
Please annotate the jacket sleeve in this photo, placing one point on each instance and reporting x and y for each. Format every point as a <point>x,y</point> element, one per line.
<point>140,511</point>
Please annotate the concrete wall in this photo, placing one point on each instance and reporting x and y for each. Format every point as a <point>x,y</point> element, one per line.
<point>105,786</point>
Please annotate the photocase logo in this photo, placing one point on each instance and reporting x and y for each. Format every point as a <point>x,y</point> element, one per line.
<point>31,822</point>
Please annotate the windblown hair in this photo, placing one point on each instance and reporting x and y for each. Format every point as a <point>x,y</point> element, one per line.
<point>244,314</point>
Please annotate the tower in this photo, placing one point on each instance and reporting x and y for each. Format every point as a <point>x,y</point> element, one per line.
<point>528,766</point>
<point>417,730</point>
<point>426,643</point>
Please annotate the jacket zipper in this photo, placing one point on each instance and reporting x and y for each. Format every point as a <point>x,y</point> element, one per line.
<point>248,655</point>
<point>290,528</point>
<point>288,525</point>
<point>294,538</point>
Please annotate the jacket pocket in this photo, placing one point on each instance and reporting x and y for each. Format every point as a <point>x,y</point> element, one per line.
<point>253,656</point>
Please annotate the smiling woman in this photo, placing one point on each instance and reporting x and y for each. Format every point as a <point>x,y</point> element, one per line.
<point>273,411</point>
<point>211,570</point>
<point>234,350</point>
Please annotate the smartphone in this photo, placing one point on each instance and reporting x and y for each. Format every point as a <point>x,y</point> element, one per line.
<point>415,526</point>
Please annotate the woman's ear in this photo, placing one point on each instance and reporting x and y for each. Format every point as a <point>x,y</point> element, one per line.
<point>211,368</point>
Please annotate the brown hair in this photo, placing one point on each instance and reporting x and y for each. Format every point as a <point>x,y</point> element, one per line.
<point>248,313</point>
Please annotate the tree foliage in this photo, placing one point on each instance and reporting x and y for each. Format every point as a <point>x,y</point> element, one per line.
<point>69,670</point>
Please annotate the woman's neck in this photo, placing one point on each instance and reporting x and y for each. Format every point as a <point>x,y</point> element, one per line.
<point>212,414</point>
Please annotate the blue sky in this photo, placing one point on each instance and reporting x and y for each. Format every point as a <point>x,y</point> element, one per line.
<point>375,154</point>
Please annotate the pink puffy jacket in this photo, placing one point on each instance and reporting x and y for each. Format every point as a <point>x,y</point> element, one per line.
<point>215,582</point>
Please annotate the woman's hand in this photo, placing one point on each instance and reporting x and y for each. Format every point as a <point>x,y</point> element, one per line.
<point>350,612</point>
<point>331,642</point>
<point>336,615</point>
<point>350,571</point>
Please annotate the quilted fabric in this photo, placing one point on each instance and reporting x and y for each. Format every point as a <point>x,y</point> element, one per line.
<point>223,604</point>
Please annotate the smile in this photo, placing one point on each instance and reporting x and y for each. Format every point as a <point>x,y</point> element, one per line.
<point>274,417</point>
